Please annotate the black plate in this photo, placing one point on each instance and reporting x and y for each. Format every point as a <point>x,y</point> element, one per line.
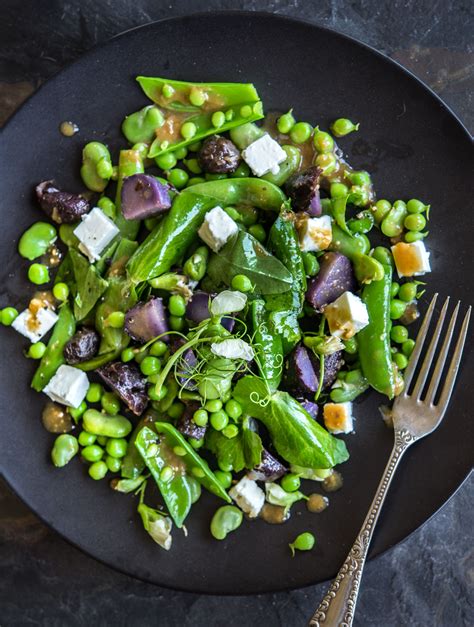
<point>413,145</point>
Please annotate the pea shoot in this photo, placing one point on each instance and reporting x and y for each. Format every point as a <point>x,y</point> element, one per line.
<point>343,126</point>
<point>304,542</point>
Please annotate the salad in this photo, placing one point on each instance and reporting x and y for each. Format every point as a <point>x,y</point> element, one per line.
<point>216,305</point>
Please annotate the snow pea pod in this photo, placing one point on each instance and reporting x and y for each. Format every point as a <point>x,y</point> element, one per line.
<point>374,339</point>
<point>133,464</point>
<point>98,361</point>
<point>287,168</point>
<point>348,245</point>
<point>96,167</point>
<point>285,324</point>
<point>339,213</point>
<point>245,191</point>
<point>53,357</point>
<point>97,423</point>
<point>170,239</point>
<point>140,126</point>
<point>267,345</point>
<point>119,296</point>
<point>130,162</point>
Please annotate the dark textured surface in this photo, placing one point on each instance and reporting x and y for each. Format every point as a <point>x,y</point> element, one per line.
<point>427,580</point>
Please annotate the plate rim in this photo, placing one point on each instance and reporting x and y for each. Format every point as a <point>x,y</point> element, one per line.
<point>249,14</point>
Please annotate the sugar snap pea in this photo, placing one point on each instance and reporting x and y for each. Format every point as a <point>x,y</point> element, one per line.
<point>96,167</point>
<point>245,191</point>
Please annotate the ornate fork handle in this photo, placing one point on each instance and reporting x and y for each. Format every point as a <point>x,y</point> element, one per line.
<point>338,606</point>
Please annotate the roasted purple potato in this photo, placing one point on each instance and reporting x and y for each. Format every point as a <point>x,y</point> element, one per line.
<point>333,279</point>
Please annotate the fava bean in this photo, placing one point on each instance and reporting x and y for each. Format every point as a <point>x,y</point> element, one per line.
<point>64,448</point>
<point>226,519</point>
<point>96,167</point>
<point>195,267</point>
<point>392,224</point>
<point>381,210</point>
<point>102,424</point>
<point>98,470</point>
<point>383,255</point>
<point>141,125</point>
<point>311,264</point>
<point>92,452</point>
<point>36,240</point>
<point>287,168</point>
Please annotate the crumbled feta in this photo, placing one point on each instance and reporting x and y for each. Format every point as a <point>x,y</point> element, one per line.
<point>94,233</point>
<point>315,234</point>
<point>35,324</point>
<point>248,496</point>
<point>338,417</point>
<point>217,228</point>
<point>233,349</point>
<point>411,259</point>
<point>346,316</point>
<point>68,386</point>
<point>264,155</point>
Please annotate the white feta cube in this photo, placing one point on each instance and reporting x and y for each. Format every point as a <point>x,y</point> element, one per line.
<point>264,155</point>
<point>315,234</point>
<point>68,386</point>
<point>346,316</point>
<point>248,496</point>
<point>34,324</point>
<point>217,228</point>
<point>338,417</point>
<point>233,349</point>
<point>94,233</point>
<point>411,259</point>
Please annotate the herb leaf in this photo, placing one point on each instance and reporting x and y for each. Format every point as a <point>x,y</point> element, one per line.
<point>243,451</point>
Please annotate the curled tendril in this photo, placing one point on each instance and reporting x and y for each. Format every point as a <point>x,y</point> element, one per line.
<point>255,398</point>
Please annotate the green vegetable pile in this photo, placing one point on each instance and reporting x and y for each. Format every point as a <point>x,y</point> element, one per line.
<point>226,390</point>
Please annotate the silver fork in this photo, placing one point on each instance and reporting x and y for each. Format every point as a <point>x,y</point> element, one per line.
<point>413,418</point>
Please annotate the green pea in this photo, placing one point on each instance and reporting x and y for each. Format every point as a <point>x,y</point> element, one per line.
<point>127,355</point>
<point>181,152</point>
<point>394,289</point>
<point>414,236</point>
<point>150,365</point>
<point>415,222</point>
<point>166,474</point>
<point>258,232</point>
<point>233,409</point>
<point>195,147</point>
<point>157,396</point>
<point>195,489</point>
<point>301,132</point>
<point>175,411</point>
<point>226,519</point>
<point>193,166</point>
<point>197,97</point>
<point>92,453</point>
<point>232,213</point>
<point>226,467</point>
<point>215,177</point>
<point>116,320</point>
<point>246,111</point>
<point>327,162</point>
<point>94,393</point>
<point>158,349</point>
<point>224,478</point>
<point>113,463</point>
<point>400,360</point>
<point>64,448</point>
<point>177,305</point>
<point>66,235</point>
<point>380,210</point>
<point>242,171</point>
<point>218,119</point>
<point>229,115</point>
<point>188,130</point>
<point>399,334</point>
<point>178,177</point>
<point>383,255</point>
<point>112,426</point>
<point>77,412</point>
<point>96,167</point>
<point>213,405</point>
<point>110,403</point>
<point>102,440</point>
<point>36,240</point>
<point>231,431</point>
<point>290,483</point>
<point>38,274</point>
<point>311,264</point>
<point>201,417</point>
<point>397,309</point>
<point>392,225</point>
<point>61,291</point>
<point>338,190</point>
<point>8,315</point>
<point>323,142</point>
<point>353,376</point>
<point>343,126</point>
<point>359,195</point>
<point>304,542</point>
<point>37,350</point>
<point>196,444</point>
<point>176,323</point>
<point>108,207</point>
<point>140,355</point>
<point>407,347</point>
<point>286,122</point>
<point>86,439</point>
<point>142,149</point>
<point>166,161</point>
<point>241,283</point>
<point>140,126</point>
<point>351,346</point>
<point>407,292</point>
<point>116,447</point>
<point>219,420</point>
<point>360,177</point>
<point>98,470</point>
<point>416,206</point>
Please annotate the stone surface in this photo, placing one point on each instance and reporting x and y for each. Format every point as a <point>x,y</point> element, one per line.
<point>427,580</point>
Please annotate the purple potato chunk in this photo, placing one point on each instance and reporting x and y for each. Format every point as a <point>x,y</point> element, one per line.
<point>333,279</point>
<point>310,407</point>
<point>82,346</point>
<point>269,468</point>
<point>186,424</point>
<point>332,364</point>
<point>61,207</point>
<point>197,310</point>
<point>218,155</point>
<point>127,381</point>
<point>143,196</point>
<point>303,191</point>
<point>299,376</point>
<point>147,320</point>
<point>185,368</point>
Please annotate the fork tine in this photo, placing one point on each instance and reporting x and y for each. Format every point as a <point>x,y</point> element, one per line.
<point>436,377</point>
<point>420,340</point>
<point>454,365</point>
<point>430,353</point>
